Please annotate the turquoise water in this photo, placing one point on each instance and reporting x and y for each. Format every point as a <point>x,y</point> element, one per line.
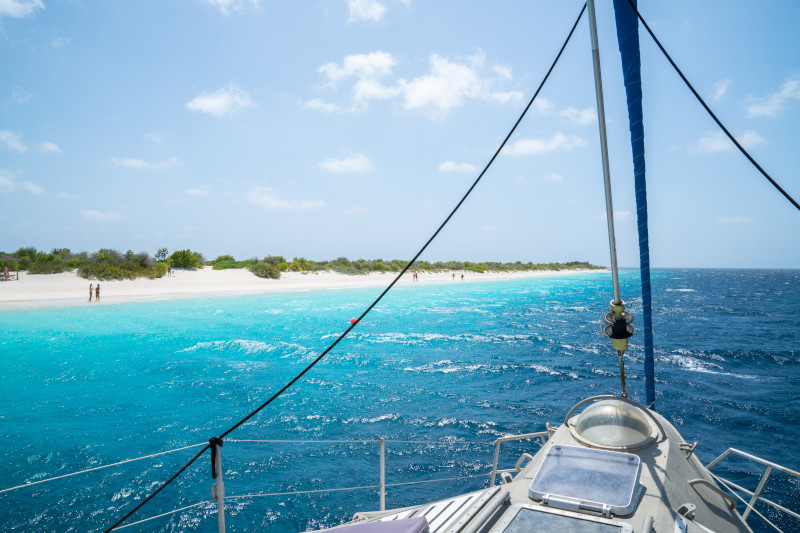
<point>453,365</point>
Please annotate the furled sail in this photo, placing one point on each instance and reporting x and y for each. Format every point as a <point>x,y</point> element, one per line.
<point>628,39</point>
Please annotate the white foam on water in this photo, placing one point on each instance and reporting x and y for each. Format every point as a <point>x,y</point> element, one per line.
<point>693,364</point>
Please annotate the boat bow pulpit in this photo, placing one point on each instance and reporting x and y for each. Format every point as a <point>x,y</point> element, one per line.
<point>615,467</point>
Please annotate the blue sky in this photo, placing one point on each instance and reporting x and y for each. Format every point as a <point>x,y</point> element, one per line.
<point>352,127</point>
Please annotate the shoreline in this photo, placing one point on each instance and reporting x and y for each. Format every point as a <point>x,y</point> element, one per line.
<point>67,289</point>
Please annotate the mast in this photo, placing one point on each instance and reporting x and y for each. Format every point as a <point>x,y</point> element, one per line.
<point>618,320</point>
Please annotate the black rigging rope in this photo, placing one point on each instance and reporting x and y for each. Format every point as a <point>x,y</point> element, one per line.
<point>708,109</point>
<point>380,297</point>
<point>151,496</point>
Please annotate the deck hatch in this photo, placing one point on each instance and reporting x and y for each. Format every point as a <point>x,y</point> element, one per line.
<point>526,519</point>
<point>585,479</point>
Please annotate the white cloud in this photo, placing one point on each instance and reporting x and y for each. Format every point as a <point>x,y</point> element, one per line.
<point>506,97</point>
<point>48,148</point>
<point>355,163</point>
<point>58,42</point>
<point>450,166</point>
<point>202,191</point>
<point>774,104</point>
<point>19,96</point>
<point>559,141</point>
<point>11,140</point>
<point>370,10</point>
<point>19,8</point>
<point>446,86</point>
<point>99,216</point>
<point>225,101</point>
<point>735,220</point>
<point>227,6</point>
<point>7,181</point>
<point>64,194</point>
<point>750,139</point>
<point>503,71</point>
<point>142,164</point>
<point>154,137</point>
<point>542,106</point>
<point>372,89</point>
<point>720,88</point>
<point>32,188</point>
<point>579,116</point>
<point>266,198</point>
<point>717,141</point>
<point>363,66</point>
<point>318,105</point>
<point>555,177</point>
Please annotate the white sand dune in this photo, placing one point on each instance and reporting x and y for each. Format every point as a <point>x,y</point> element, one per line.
<point>68,289</point>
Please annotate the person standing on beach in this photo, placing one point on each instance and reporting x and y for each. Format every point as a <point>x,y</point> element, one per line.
<point>90,292</point>
<point>462,278</point>
<point>97,293</point>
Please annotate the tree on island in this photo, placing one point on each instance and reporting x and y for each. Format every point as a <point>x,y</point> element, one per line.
<point>186,259</point>
<point>108,264</point>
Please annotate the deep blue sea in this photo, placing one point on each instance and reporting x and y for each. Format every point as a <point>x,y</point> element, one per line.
<point>444,368</point>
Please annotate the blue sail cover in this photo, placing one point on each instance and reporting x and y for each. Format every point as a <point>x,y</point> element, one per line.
<point>628,38</point>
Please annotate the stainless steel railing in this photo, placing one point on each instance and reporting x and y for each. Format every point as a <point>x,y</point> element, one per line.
<point>219,494</point>
<point>755,496</point>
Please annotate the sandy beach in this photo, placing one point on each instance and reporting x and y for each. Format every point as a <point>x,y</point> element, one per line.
<point>67,288</point>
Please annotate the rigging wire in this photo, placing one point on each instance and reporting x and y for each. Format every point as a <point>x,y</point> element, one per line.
<point>32,483</point>
<point>159,489</point>
<point>380,297</point>
<point>708,109</point>
<point>424,247</point>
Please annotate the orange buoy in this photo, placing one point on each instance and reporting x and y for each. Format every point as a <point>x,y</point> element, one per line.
<point>353,320</point>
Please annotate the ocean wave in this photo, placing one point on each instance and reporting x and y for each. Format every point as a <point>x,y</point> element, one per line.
<point>122,493</point>
<point>582,349</point>
<point>445,367</point>
<point>541,369</point>
<point>693,364</point>
<point>248,347</point>
<point>374,420</point>
<point>410,339</point>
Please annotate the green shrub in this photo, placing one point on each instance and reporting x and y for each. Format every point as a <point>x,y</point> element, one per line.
<point>158,270</point>
<point>75,263</point>
<point>263,270</point>
<point>26,256</point>
<point>350,271</point>
<point>274,260</point>
<point>48,267</point>
<point>105,272</point>
<point>185,259</point>
<point>222,258</point>
<point>227,264</point>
